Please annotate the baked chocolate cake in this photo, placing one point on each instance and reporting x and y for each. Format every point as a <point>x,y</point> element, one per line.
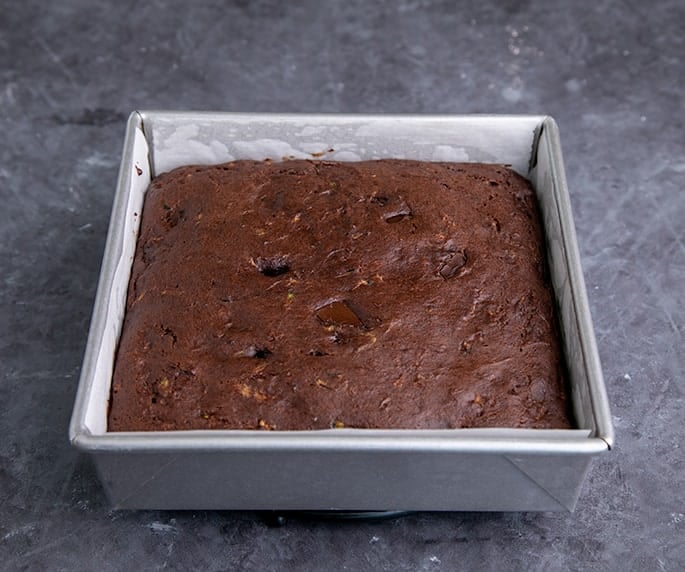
<point>316,294</point>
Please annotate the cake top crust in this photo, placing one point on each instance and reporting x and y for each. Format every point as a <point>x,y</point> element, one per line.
<point>316,294</point>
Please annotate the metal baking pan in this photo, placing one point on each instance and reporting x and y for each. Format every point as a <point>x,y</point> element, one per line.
<point>343,469</point>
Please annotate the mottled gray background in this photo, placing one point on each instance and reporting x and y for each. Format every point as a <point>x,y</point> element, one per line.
<point>613,75</point>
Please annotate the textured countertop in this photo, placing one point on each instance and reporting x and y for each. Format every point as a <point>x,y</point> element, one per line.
<point>611,73</point>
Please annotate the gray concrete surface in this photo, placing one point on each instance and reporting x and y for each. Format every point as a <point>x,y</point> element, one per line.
<point>613,75</point>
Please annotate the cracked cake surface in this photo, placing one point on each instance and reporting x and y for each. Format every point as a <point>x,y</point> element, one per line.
<point>307,295</point>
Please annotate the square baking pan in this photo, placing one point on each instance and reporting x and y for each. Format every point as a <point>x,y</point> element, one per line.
<point>494,469</point>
